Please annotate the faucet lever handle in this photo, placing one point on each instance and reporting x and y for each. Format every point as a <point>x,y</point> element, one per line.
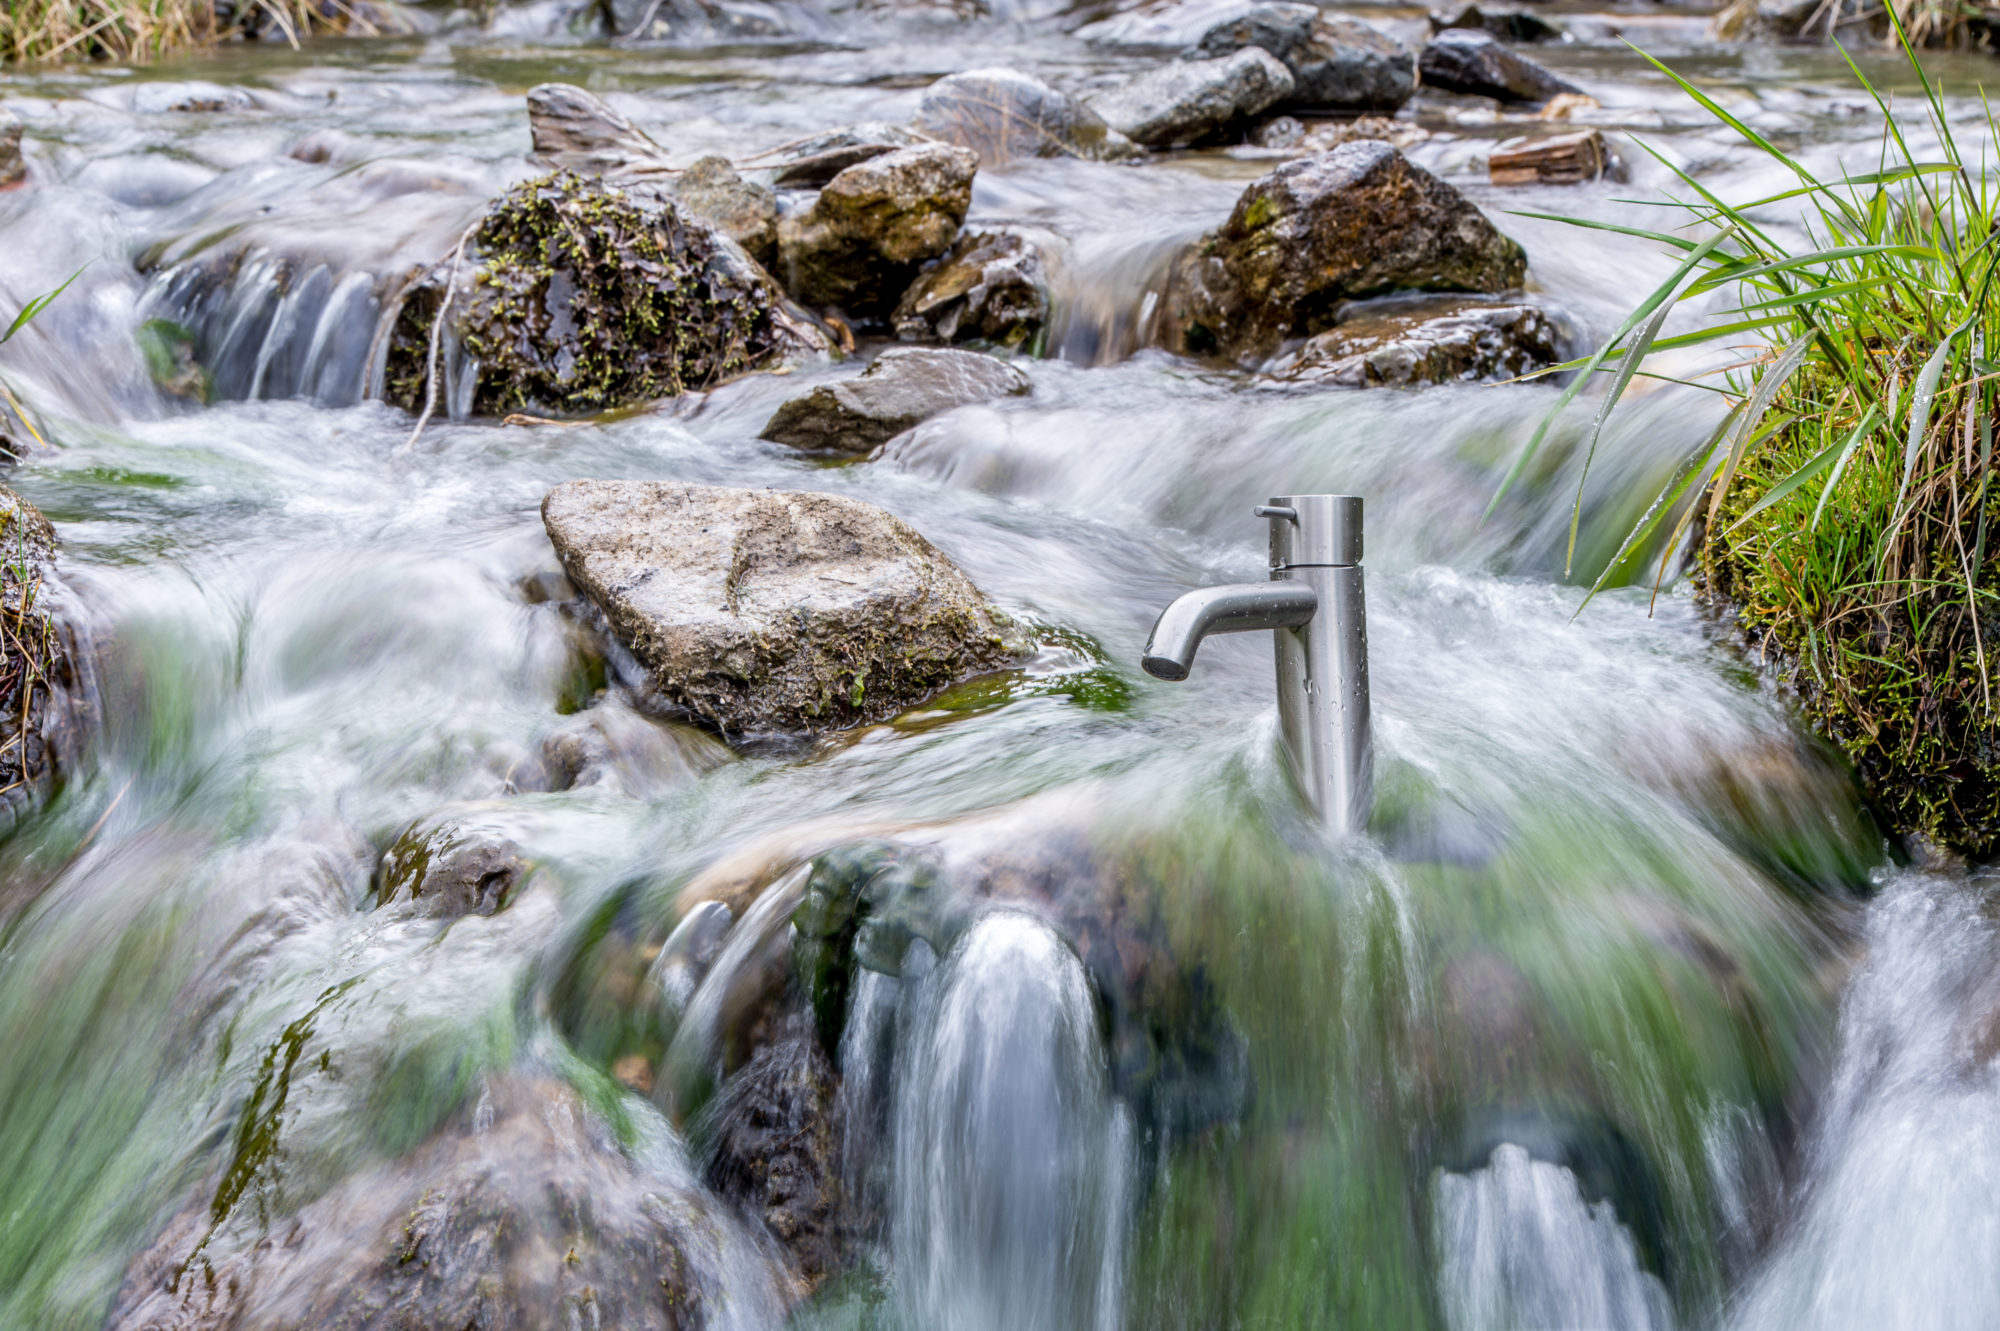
<point>1284,511</point>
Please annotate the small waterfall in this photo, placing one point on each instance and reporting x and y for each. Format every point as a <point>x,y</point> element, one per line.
<point>1518,1246</point>
<point>1106,297</point>
<point>1010,1154</point>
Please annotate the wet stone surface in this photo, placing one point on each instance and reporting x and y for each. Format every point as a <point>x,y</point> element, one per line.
<point>904,387</point>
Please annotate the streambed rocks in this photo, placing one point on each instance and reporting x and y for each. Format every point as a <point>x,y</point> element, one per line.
<point>576,295</point>
<point>763,611</point>
<point>1337,64</point>
<point>1357,221</point>
<point>860,243</point>
<point>991,286</point>
<point>1409,344</point>
<point>904,387</point>
<point>1190,101</point>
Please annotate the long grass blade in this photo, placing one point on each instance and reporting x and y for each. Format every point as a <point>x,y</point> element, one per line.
<point>1760,401</point>
<point>36,306</point>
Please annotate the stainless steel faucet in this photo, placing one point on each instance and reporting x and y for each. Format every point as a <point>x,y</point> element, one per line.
<point>1314,602</point>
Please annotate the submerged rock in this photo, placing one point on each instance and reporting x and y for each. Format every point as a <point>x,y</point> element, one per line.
<point>612,747</point>
<point>1002,114</point>
<point>1472,60</point>
<point>573,130</point>
<point>1357,221</point>
<point>451,867</point>
<point>905,386</point>
<point>1406,347</point>
<point>524,1215</point>
<point>1337,64</point>
<point>575,295</point>
<point>1189,101</point>
<point>863,239</point>
<point>760,610</point>
<point>992,286</point>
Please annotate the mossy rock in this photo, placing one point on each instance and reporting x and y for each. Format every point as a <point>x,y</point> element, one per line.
<point>577,296</point>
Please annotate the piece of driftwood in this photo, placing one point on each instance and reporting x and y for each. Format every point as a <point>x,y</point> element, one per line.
<point>1557,159</point>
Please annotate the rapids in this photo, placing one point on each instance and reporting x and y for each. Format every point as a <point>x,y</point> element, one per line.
<point>1623,1016</point>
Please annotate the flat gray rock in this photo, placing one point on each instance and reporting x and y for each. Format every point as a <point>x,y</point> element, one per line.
<point>904,387</point>
<point>1187,101</point>
<point>1408,345</point>
<point>764,610</point>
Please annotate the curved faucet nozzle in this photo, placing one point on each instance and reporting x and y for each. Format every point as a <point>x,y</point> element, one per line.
<point>1236,608</point>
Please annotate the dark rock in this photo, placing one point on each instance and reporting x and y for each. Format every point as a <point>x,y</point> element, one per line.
<point>905,385</point>
<point>1405,347</point>
<point>765,610</point>
<point>575,295</point>
<point>747,213</point>
<point>1555,159</point>
<point>1002,114</point>
<point>812,162</point>
<point>526,1215</point>
<point>1337,64</point>
<point>861,242</point>
<point>1190,101</point>
<point>1357,221</point>
<point>573,130</point>
<point>1472,60</point>
<point>45,699</point>
<point>13,167</point>
<point>450,867</point>
<point>1514,25</point>
<point>992,286</point>
<point>773,1137</point>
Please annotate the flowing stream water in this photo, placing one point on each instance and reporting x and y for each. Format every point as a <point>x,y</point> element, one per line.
<point>1622,1016</point>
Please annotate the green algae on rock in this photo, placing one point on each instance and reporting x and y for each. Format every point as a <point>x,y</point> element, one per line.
<point>762,610</point>
<point>574,295</point>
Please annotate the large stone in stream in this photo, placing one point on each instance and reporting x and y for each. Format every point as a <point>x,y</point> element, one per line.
<point>761,610</point>
<point>1408,347</point>
<point>991,287</point>
<point>524,1214</point>
<point>1337,64</point>
<point>904,387</point>
<point>1472,60</point>
<point>1357,221</point>
<point>576,296</point>
<point>744,211</point>
<point>1003,114</point>
<point>863,239</point>
<point>1191,101</point>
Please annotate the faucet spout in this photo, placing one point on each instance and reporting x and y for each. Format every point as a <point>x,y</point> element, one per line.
<point>1236,608</point>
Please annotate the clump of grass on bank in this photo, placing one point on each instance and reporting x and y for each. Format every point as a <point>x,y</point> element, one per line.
<point>1844,509</point>
<point>1947,23</point>
<point>138,30</point>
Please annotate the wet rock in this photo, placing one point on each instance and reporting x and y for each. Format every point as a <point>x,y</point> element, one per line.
<point>759,610</point>
<point>747,213</point>
<point>1190,101</point>
<point>173,360</point>
<point>1514,25</point>
<point>1337,64</point>
<point>1357,221</point>
<point>45,700</point>
<point>573,130</point>
<point>905,385</point>
<point>811,162</point>
<point>575,295</point>
<point>613,748</point>
<point>773,1137</point>
<point>1556,159</point>
<point>526,1214</point>
<point>861,242</point>
<point>1003,114</point>
<point>1472,60</point>
<point>13,166</point>
<point>451,868</point>
<point>1406,347</point>
<point>991,286</point>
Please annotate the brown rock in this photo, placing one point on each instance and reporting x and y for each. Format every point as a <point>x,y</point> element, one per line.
<point>1558,159</point>
<point>745,212</point>
<point>451,867</point>
<point>863,239</point>
<point>991,287</point>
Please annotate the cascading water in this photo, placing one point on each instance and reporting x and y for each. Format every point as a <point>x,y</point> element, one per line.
<point>1602,1025</point>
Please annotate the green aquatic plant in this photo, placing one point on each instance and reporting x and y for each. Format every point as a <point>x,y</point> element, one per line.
<point>1841,510</point>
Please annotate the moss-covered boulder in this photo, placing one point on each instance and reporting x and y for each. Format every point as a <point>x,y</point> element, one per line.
<point>1358,221</point>
<point>574,295</point>
<point>762,611</point>
<point>874,224</point>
